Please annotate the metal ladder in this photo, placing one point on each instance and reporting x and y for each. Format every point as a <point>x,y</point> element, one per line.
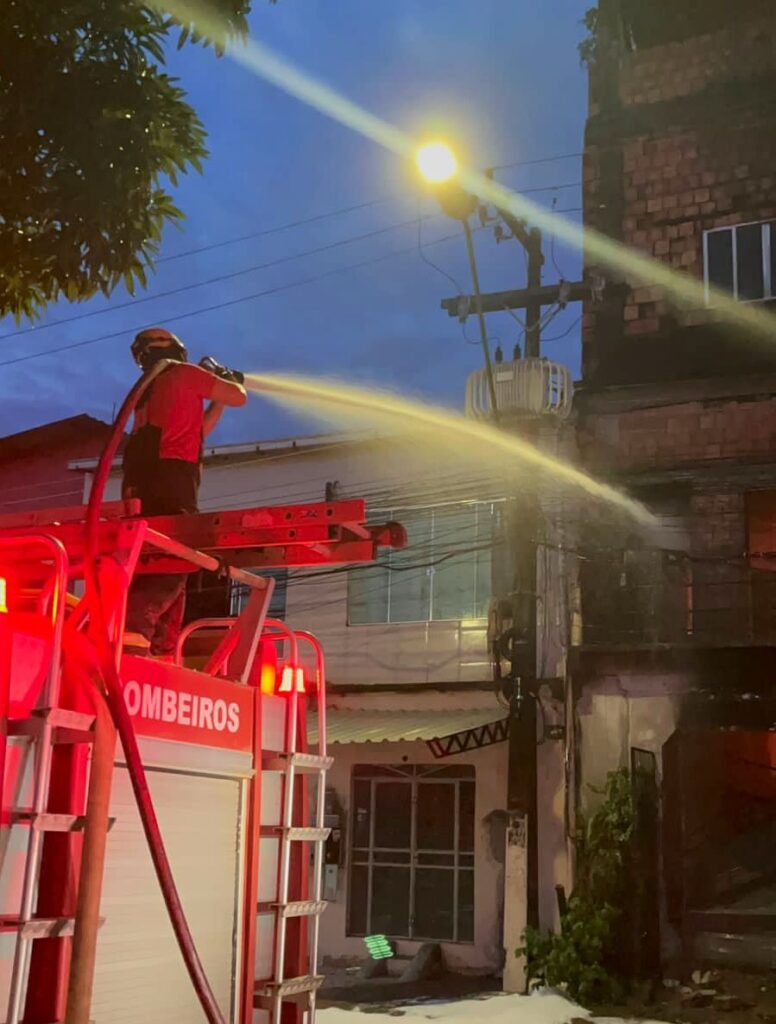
<point>293,763</point>
<point>47,726</point>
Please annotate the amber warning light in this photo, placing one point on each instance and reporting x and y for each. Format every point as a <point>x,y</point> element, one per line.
<point>3,593</point>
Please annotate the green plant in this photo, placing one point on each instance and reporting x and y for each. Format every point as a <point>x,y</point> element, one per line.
<point>92,130</point>
<point>582,959</point>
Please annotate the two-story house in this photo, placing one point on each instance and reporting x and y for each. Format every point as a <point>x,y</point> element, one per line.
<point>417,793</point>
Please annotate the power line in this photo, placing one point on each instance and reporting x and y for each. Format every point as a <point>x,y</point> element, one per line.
<point>224,305</point>
<point>277,230</point>
<point>263,232</point>
<point>231,302</point>
<point>219,279</point>
<point>535,163</point>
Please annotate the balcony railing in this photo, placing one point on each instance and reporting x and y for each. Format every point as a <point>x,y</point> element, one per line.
<point>649,598</point>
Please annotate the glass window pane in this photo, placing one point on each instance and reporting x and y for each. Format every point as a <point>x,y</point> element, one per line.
<point>390,902</point>
<point>277,605</point>
<point>466,816</point>
<point>465,906</point>
<point>410,579</point>
<point>455,540</point>
<point>357,900</point>
<point>391,856</point>
<point>749,257</point>
<point>435,816</point>
<point>434,904</point>
<point>393,812</point>
<point>719,246</point>
<point>361,807</point>
<point>436,860</point>
<point>368,594</point>
<point>492,547</point>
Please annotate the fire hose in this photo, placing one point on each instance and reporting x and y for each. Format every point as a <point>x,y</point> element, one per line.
<point>114,699</point>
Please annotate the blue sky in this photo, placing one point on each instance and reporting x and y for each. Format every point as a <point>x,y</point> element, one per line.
<point>500,77</point>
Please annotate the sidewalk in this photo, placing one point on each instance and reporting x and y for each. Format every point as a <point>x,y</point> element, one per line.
<point>539,1008</point>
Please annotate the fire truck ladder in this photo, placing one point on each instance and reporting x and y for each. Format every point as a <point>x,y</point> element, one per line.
<point>46,726</point>
<point>293,763</point>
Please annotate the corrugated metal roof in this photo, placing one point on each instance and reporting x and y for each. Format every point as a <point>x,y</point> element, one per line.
<point>357,726</point>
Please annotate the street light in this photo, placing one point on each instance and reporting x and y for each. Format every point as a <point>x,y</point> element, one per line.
<point>436,162</point>
<point>439,167</point>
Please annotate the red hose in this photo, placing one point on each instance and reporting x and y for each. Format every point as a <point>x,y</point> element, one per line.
<point>123,722</point>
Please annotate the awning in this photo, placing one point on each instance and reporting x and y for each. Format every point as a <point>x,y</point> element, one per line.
<point>448,731</point>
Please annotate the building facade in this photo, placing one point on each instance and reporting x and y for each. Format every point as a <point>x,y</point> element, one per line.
<point>678,406</point>
<point>34,464</point>
<point>418,791</point>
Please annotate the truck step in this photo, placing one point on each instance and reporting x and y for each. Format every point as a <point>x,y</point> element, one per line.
<point>308,835</point>
<point>289,988</point>
<point>49,822</point>
<point>41,927</point>
<point>295,834</point>
<point>302,908</point>
<point>303,763</point>
<point>68,726</point>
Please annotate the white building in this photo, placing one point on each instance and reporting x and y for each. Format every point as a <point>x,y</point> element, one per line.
<point>422,837</point>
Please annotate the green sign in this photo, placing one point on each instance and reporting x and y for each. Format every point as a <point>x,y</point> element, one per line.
<point>379,947</point>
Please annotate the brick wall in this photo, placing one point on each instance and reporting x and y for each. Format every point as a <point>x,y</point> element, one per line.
<point>676,435</point>
<point>693,127</point>
<point>684,68</point>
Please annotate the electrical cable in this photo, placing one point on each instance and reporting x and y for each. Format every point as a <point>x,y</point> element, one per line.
<point>219,279</point>
<point>535,163</point>
<point>225,304</point>
<point>558,271</point>
<point>557,337</point>
<point>276,230</point>
<point>233,302</point>
<point>429,261</point>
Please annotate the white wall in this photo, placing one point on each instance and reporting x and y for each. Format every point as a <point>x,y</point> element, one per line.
<point>490,764</point>
<point>386,472</point>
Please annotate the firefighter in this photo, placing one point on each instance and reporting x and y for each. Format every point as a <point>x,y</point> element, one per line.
<point>162,465</point>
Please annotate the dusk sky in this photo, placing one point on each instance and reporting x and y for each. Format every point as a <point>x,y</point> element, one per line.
<point>500,78</point>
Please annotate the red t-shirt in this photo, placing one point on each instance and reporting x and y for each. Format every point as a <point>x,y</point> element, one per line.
<point>175,408</point>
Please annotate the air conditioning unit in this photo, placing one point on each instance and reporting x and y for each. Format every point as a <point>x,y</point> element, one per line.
<point>535,387</point>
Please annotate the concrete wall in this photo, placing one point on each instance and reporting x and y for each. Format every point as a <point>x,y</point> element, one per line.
<point>623,707</point>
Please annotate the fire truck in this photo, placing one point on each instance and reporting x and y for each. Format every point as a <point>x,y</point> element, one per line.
<point>162,832</point>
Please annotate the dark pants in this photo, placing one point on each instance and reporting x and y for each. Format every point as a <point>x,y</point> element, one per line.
<point>155,608</point>
<point>155,604</point>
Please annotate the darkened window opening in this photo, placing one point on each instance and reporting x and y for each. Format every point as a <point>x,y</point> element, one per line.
<point>741,261</point>
<point>277,606</point>
<point>412,852</point>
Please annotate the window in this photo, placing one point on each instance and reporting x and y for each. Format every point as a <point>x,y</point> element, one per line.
<point>443,573</point>
<point>742,261</point>
<point>412,853</point>
<point>277,605</point>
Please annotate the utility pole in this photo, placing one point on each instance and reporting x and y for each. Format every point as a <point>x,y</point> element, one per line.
<point>521,872</point>
<point>518,640</point>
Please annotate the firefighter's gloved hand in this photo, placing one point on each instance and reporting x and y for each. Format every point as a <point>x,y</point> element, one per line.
<point>211,364</point>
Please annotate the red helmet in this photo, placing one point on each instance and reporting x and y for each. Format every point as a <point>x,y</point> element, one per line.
<point>156,343</point>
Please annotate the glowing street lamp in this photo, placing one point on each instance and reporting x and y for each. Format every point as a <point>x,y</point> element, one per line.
<point>436,162</point>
